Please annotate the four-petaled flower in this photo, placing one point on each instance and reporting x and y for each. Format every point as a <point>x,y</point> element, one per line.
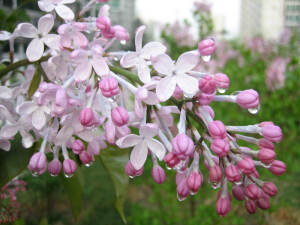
<point>59,6</point>
<point>40,37</point>
<point>141,144</point>
<point>139,57</point>
<point>176,74</point>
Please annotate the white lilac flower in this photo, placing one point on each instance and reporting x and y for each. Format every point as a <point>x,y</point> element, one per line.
<point>175,74</point>
<point>138,58</point>
<point>40,37</point>
<point>59,7</point>
<point>141,144</point>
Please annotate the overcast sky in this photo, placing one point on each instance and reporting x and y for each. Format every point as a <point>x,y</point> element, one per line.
<point>168,11</point>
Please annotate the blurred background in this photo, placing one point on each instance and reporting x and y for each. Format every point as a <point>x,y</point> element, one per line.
<point>258,46</point>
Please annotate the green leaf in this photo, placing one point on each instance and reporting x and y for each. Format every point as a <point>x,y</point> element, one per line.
<point>114,161</point>
<point>35,82</point>
<point>73,189</point>
<point>13,163</point>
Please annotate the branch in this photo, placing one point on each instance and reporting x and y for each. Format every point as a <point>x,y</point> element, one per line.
<point>20,63</point>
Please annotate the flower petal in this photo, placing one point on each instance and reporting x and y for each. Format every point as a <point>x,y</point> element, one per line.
<point>38,119</point>
<point>45,24</point>
<point>83,71</point>
<point>4,35</point>
<point>143,71</point>
<point>138,108</point>
<point>149,130</point>
<point>64,135</point>
<point>35,50</point>
<point>100,66</point>
<point>5,92</point>
<point>151,99</point>
<point>26,30</point>
<point>165,88</point>
<point>64,12</point>
<point>52,41</point>
<point>27,139</point>
<point>138,155</point>
<point>26,108</point>
<point>46,5</point>
<point>128,141</point>
<point>186,62</point>
<point>9,131</point>
<point>4,145</point>
<point>152,49</point>
<point>157,148</point>
<point>188,84</point>
<point>163,64</point>
<point>139,37</point>
<point>67,1</point>
<point>129,60</point>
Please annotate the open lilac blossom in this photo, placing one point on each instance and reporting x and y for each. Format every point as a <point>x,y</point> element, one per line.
<point>75,103</point>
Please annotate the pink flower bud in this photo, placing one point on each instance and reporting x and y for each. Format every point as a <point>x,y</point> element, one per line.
<point>207,84</point>
<point>194,182</point>
<point>87,117</point>
<point>120,33</point>
<point>223,206</point>
<point>265,143</point>
<point>103,23</point>
<point>250,206</point>
<point>131,171</point>
<point>85,157</point>
<point>263,202</point>
<point>177,93</point>
<point>246,165</point>
<point>215,174</point>
<point>206,47</point>
<point>70,167</point>
<point>221,80</point>
<point>109,86</point>
<point>182,146</point>
<point>272,133</point>
<point>182,189</point>
<point>205,98</point>
<point>77,146</point>
<point>269,188</point>
<point>277,168</point>
<point>220,147</point>
<point>252,191</point>
<point>248,99</point>
<point>217,129</point>
<point>238,192</point>
<point>38,163</point>
<point>54,167</point>
<point>266,156</point>
<point>171,160</point>
<point>158,174</point>
<point>232,173</point>
<point>119,116</point>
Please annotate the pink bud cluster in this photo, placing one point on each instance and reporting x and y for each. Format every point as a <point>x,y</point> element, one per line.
<point>84,105</point>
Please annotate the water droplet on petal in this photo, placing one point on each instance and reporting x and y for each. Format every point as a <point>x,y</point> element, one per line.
<point>53,175</point>
<point>254,110</point>
<point>180,198</point>
<point>131,177</point>
<point>193,193</point>
<point>116,58</point>
<point>34,173</point>
<point>123,42</point>
<point>168,168</point>
<point>206,58</point>
<point>215,185</point>
<point>88,164</point>
<point>221,90</point>
<point>238,183</point>
<point>68,175</point>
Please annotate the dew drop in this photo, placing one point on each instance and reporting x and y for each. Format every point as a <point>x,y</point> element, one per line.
<point>221,90</point>
<point>131,177</point>
<point>215,185</point>
<point>88,164</point>
<point>193,193</point>
<point>168,168</point>
<point>238,183</point>
<point>53,175</point>
<point>206,58</point>
<point>180,198</point>
<point>68,175</point>
<point>35,174</point>
<point>116,58</point>
<point>123,42</point>
<point>254,110</point>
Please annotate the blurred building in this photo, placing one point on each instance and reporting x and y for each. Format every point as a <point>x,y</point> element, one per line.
<point>268,17</point>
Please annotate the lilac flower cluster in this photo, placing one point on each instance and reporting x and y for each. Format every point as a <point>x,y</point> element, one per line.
<point>83,103</point>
